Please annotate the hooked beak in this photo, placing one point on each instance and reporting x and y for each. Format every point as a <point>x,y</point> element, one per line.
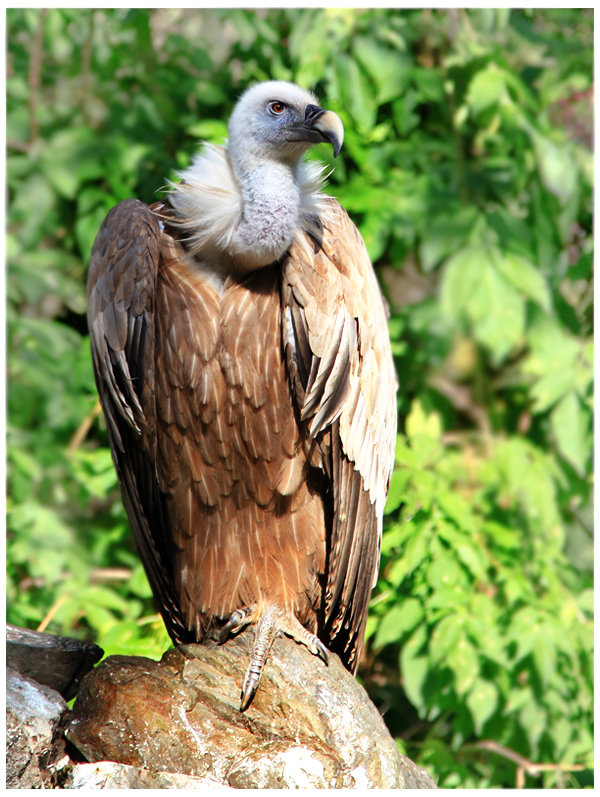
<point>328,124</point>
<point>319,125</point>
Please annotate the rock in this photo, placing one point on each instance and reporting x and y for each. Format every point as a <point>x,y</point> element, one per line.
<point>56,661</point>
<point>109,775</point>
<point>33,714</point>
<point>309,725</point>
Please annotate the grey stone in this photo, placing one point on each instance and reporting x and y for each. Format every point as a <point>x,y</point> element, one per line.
<point>56,661</point>
<point>309,725</point>
<point>110,775</point>
<point>33,714</point>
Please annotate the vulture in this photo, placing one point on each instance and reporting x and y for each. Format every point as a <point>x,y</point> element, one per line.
<point>241,353</point>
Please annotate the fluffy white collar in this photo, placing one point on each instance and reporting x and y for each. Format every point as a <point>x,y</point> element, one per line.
<point>212,208</point>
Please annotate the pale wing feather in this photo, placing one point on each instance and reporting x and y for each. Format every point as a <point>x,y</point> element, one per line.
<point>344,382</point>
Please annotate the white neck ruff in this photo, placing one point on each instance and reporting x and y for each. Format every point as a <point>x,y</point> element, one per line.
<point>210,207</point>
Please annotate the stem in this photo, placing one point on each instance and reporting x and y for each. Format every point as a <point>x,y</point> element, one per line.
<point>84,428</point>
<point>34,77</point>
<point>50,615</point>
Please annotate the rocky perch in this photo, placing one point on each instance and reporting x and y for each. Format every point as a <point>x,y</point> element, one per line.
<point>177,724</point>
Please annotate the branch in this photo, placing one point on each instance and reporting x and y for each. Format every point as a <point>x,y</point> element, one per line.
<point>20,146</point>
<point>461,397</point>
<point>34,77</point>
<point>524,765</point>
<point>50,615</point>
<point>84,428</point>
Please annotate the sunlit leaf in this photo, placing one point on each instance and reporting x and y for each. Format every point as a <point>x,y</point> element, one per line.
<point>398,621</point>
<point>414,667</point>
<point>558,170</point>
<point>570,426</point>
<point>482,701</point>
<point>524,276</point>
<point>486,88</point>
<point>474,289</point>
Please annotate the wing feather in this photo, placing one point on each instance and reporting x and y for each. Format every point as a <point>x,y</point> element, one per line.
<point>121,300</point>
<point>344,384</point>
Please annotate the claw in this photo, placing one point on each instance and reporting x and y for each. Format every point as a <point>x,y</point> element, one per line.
<point>263,641</point>
<point>272,621</point>
<point>238,619</point>
<point>321,651</point>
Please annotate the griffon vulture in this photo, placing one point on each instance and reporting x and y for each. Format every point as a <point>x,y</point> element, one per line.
<point>242,358</point>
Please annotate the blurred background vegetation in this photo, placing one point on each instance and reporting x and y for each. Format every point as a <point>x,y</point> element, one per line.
<point>468,167</point>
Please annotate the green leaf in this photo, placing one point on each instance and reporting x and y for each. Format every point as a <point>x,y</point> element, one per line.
<point>569,422</point>
<point>463,660</point>
<point>444,571</point>
<point>445,234</point>
<point>397,491</point>
<point>534,721</point>
<point>396,623</point>
<point>458,509</point>
<point>486,88</point>
<point>525,277</point>
<point>561,732</point>
<point>71,157</point>
<point>212,130</point>
<point>413,555</point>
<point>414,666</point>
<point>404,109</point>
<point>474,289</point>
<point>558,169</point>
<point>388,69</point>
<point>557,360</point>
<point>445,637</point>
<point>375,231</point>
<point>482,701</point>
<point>550,388</point>
<point>473,558</point>
<point>544,654</point>
<point>422,424</point>
<point>357,94</point>
<point>86,230</point>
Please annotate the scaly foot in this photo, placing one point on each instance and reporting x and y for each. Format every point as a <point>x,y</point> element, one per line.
<point>273,621</point>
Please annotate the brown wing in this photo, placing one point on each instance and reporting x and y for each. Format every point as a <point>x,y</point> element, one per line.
<point>342,375</point>
<point>121,302</point>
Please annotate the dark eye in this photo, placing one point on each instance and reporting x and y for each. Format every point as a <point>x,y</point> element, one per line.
<point>277,107</point>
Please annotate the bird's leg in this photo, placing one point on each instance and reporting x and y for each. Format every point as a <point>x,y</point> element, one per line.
<point>263,641</point>
<point>293,628</point>
<point>239,619</point>
<point>273,622</point>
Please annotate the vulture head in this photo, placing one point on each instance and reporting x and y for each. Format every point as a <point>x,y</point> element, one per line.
<point>241,205</point>
<point>279,121</point>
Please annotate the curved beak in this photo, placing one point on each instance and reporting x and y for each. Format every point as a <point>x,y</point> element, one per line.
<point>319,125</point>
<point>329,126</point>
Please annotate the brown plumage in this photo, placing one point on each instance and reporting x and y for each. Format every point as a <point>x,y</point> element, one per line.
<point>251,415</point>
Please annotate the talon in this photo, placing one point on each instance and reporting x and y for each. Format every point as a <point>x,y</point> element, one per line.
<point>238,619</point>
<point>251,682</point>
<point>321,651</point>
<point>263,641</point>
<point>271,623</point>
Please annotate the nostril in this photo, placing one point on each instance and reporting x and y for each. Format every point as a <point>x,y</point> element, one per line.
<point>312,112</point>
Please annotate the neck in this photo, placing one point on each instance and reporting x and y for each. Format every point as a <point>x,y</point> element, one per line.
<point>239,218</point>
<point>270,205</point>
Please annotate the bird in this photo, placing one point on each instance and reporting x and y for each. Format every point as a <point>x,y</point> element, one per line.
<point>242,358</point>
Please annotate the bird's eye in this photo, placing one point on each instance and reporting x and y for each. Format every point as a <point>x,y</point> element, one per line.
<point>277,107</point>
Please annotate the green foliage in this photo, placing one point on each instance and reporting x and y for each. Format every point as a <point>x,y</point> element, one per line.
<point>467,165</point>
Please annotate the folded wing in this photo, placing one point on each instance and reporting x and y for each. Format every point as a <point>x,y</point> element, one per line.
<point>121,306</point>
<point>344,384</point>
